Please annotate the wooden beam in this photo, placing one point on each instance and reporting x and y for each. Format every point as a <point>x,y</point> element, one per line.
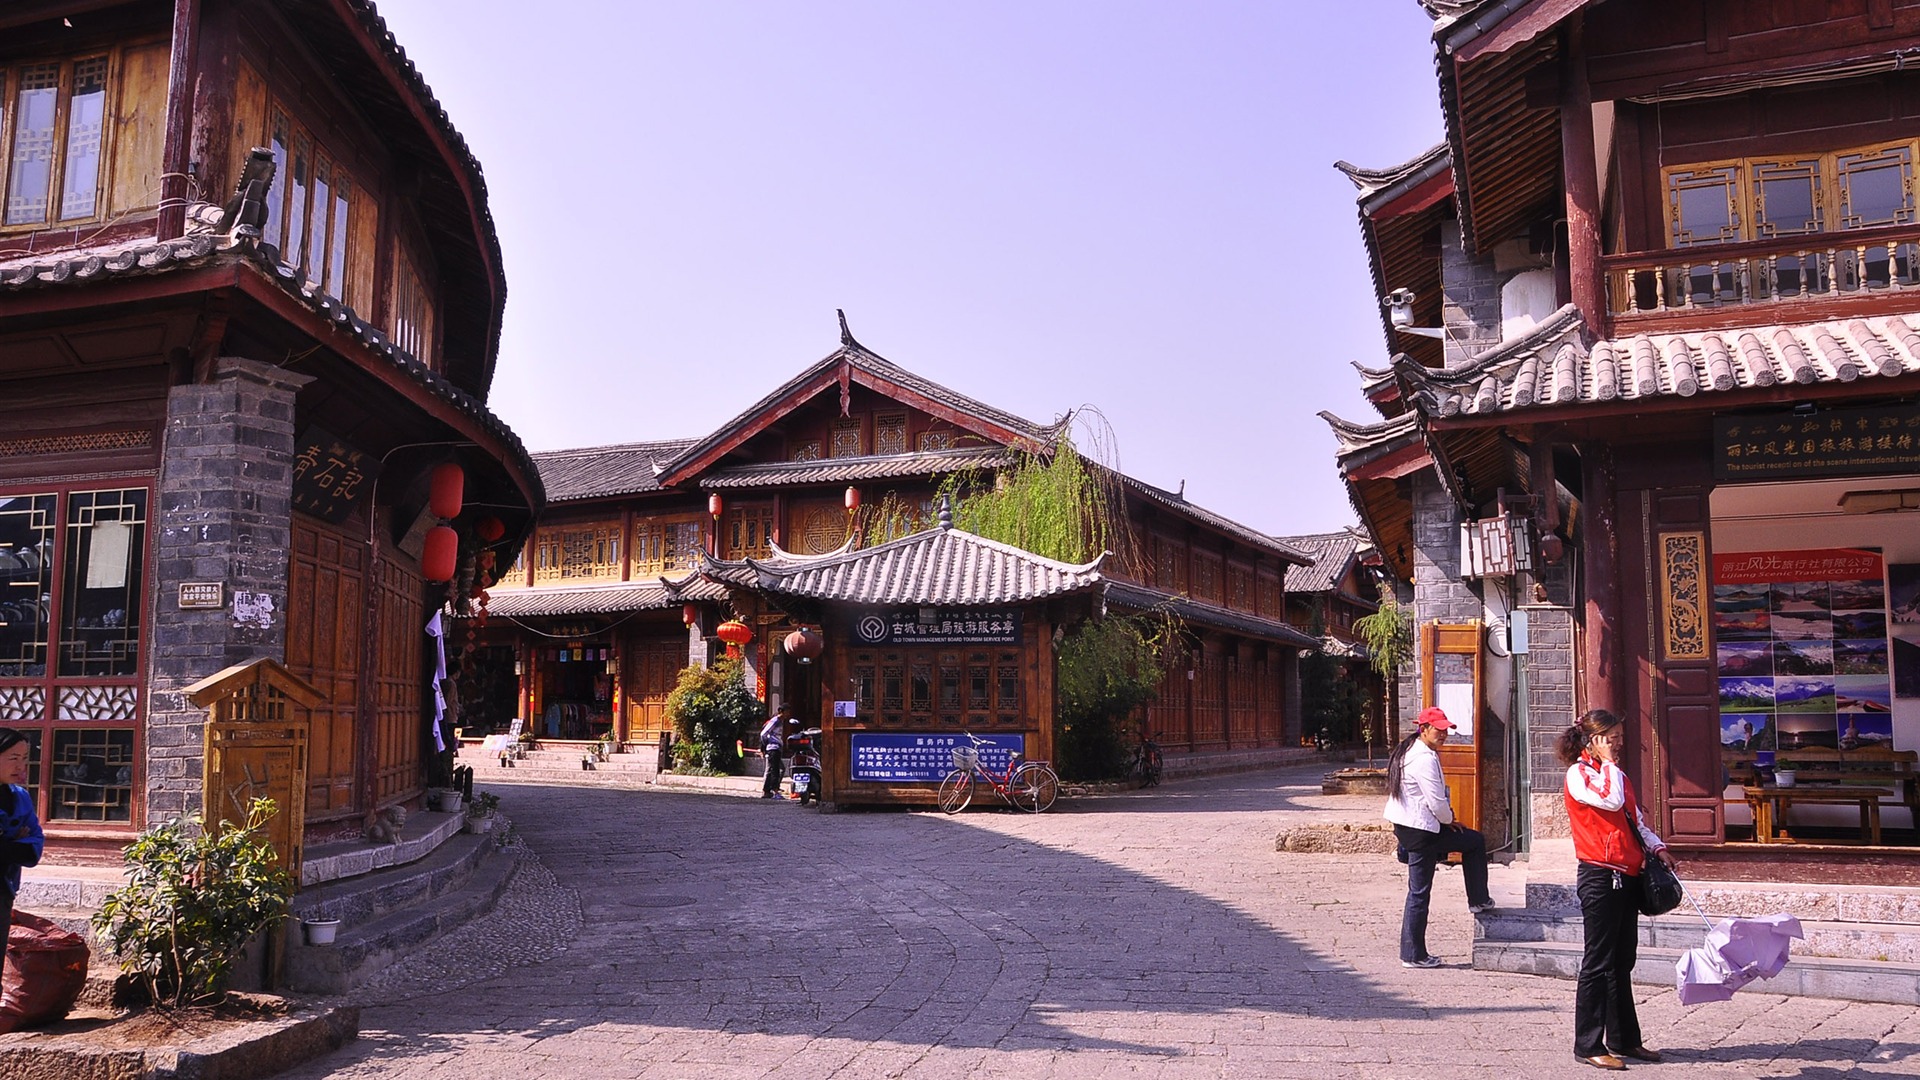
<point>1580,177</point>
<point>172,222</point>
<point>1601,676</point>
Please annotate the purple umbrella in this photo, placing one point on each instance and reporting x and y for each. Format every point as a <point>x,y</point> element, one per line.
<point>1736,952</point>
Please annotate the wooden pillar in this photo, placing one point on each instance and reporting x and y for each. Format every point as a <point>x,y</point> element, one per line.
<point>1603,685</point>
<point>1580,177</point>
<point>172,221</point>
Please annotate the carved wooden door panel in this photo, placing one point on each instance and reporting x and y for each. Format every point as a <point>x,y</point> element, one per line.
<point>325,624</point>
<point>400,687</point>
<point>1674,749</point>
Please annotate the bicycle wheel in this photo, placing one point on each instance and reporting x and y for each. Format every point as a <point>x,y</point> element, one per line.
<point>1150,768</point>
<point>956,791</point>
<point>1033,787</point>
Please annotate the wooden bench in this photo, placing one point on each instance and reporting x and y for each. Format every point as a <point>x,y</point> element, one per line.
<point>1864,777</point>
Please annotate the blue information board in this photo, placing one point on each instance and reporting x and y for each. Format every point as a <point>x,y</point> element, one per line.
<point>899,758</point>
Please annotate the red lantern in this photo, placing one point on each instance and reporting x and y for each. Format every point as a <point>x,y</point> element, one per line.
<point>804,645</point>
<point>441,555</point>
<point>734,632</point>
<point>689,614</point>
<point>445,490</point>
<point>714,505</point>
<point>853,499</point>
<point>489,529</point>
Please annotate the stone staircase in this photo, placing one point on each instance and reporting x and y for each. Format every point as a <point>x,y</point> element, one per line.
<point>1862,941</point>
<point>562,764</point>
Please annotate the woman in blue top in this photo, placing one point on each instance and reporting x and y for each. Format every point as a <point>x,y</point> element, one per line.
<point>20,838</point>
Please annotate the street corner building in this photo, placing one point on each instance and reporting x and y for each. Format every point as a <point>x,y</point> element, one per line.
<point>806,534</point>
<point>250,299</point>
<point>1648,431</point>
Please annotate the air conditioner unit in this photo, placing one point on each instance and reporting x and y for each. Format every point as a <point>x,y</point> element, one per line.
<point>1495,547</point>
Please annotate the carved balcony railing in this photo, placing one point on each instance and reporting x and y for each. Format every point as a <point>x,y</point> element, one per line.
<point>1788,270</point>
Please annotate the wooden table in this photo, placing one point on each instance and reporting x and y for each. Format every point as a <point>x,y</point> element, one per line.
<point>1770,802</point>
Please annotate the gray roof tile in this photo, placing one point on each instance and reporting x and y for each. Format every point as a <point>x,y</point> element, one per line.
<point>1126,594</point>
<point>592,472</point>
<point>937,566</point>
<point>605,599</point>
<point>847,470</point>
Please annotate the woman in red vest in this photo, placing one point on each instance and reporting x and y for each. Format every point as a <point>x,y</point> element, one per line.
<point>1612,842</point>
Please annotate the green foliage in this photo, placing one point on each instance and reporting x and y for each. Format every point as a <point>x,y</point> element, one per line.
<point>1106,670</point>
<point>193,899</point>
<point>1330,705</point>
<point>1056,506</point>
<point>482,804</point>
<point>1388,633</point>
<point>711,710</point>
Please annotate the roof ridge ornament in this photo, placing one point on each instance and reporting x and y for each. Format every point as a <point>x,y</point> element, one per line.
<point>846,335</point>
<point>946,513</point>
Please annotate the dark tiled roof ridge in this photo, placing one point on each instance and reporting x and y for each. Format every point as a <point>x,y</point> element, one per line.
<point>797,563</point>
<point>1175,501</point>
<point>1398,425</point>
<point>1371,182</point>
<point>959,452</point>
<point>1146,597</point>
<point>591,451</point>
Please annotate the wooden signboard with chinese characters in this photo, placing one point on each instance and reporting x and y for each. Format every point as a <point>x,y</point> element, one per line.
<point>329,476</point>
<point>256,747</point>
<point>1450,678</point>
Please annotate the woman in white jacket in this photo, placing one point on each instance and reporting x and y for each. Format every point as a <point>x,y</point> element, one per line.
<point>1422,817</point>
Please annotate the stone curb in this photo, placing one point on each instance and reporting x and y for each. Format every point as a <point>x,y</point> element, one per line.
<point>1338,840</point>
<point>246,1052</point>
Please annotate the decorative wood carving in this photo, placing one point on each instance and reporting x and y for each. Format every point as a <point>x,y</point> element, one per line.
<point>1683,602</point>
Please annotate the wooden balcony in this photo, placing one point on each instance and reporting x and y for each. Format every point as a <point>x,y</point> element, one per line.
<point>1785,279</point>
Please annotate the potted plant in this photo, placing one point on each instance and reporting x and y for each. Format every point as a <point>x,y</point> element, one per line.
<point>480,812</point>
<point>1783,772</point>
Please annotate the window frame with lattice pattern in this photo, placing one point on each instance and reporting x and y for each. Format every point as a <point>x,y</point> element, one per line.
<point>667,545</point>
<point>62,127</point>
<point>747,530</point>
<point>314,194</point>
<point>890,433</point>
<point>577,553</point>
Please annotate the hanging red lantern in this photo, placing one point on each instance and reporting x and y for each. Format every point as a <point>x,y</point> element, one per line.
<point>489,529</point>
<point>445,490</point>
<point>734,632</point>
<point>441,555</point>
<point>853,498</point>
<point>714,505</point>
<point>689,614</point>
<point>804,645</point>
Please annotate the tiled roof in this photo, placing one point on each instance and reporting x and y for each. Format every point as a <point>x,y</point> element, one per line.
<point>937,566</point>
<point>1374,184</point>
<point>600,599</point>
<point>205,246</point>
<point>590,472</point>
<point>1179,503</point>
<point>858,356</point>
<point>1549,367</point>
<point>1358,438</point>
<point>1128,595</point>
<point>871,467</point>
<point>1332,552</point>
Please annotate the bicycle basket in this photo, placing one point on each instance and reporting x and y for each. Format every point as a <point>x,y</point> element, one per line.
<point>965,757</point>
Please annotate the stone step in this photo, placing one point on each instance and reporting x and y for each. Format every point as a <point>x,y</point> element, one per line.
<point>362,950</point>
<point>1804,976</point>
<point>594,777</point>
<point>368,897</point>
<point>1895,942</point>
<point>1741,899</point>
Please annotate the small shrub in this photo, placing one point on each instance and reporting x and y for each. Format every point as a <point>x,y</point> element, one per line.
<point>711,712</point>
<point>192,901</point>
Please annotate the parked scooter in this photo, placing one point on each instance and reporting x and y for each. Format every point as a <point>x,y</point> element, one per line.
<point>803,764</point>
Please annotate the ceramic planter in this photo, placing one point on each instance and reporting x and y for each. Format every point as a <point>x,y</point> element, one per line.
<point>321,931</point>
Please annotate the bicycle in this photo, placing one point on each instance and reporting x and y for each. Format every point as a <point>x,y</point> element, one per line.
<point>1147,761</point>
<point>1028,785</point>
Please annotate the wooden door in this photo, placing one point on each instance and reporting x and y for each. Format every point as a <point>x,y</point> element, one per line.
<point>401,716</point>
<point>653,667</point>
<point>325,622</point>
<point>1450,666</point>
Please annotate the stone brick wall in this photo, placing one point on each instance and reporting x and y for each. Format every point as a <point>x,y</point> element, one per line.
<point>1439,593</point>
<point>1471,306</point>
<point>224,514</point>
<point>1550,709</point>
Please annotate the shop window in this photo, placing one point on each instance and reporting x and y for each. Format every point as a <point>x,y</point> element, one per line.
<point>577,553</point>
<point>893,679</point>
<point>749,531</point>
<point>864,678</point>
<point>57,123</point>
<point>72,588</point>
<point>979,683</point>
<point>890,433</point>
<point>847,441</point>
<point>666,545</point>
<point>950,687</point>
<point>921,689</point>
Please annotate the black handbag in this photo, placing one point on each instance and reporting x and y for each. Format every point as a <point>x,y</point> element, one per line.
<point>1660,890</point>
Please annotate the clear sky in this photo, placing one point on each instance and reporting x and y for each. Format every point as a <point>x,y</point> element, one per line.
<point>1040,203</point>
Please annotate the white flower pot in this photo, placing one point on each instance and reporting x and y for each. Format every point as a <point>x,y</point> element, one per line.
<point>321,931</point>
<point>1783,777</point>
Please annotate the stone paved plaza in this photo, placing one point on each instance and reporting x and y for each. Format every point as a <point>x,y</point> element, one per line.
<point>1154,934</point>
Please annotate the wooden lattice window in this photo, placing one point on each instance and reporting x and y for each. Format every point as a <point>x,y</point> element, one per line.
<point>1875,186</point>
<point>53,168</point>
<point>936,440</point>
<point>1239,588</point>
<point>1758,198</point>
<point>817,527</point>
<point>920,688</point>
<point>847,441</point>
<point>807,451</point>
<point>1170,564</point>
<point>577,553</point>
<point>1787,198</point>
<point>412,320</point>
<point>1269,592</point>
<point>890,433</point>
<point>310,206</point>
<point>749,531</point>
<point>1206,577</point>
<point>1703,205</point>
<point>666,545</point>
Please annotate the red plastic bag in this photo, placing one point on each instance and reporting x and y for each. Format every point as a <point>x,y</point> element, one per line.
<point>46,968</point>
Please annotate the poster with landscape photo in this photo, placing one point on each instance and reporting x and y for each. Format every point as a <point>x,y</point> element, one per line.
<point>1801,648</point>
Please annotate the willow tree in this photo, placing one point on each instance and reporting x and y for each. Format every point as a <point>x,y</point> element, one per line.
<point>1064,507</point>
<point>1388,633</point>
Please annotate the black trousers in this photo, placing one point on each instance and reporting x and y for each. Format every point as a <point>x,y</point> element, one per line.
<point>772,784</point>
<point>1425,852</point>
<point>1603,1015</point>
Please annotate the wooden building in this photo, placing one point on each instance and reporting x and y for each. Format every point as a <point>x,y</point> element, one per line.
<point>1328,596</point>
<point>250,298</point>
<point>607,603</point>
<point>1655,395</point>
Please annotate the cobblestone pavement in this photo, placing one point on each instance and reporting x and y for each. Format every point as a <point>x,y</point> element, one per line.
<point>1154,934</point>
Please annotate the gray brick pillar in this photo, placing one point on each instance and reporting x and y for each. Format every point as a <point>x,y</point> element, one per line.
<point>1439,593</point>
<point>1550,705</point>
<point>225,515</point>
<point>1470,308</point>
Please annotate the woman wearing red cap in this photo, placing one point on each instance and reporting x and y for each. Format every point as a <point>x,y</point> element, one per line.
<point>1422,817</point>
<point>1612,842</point>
